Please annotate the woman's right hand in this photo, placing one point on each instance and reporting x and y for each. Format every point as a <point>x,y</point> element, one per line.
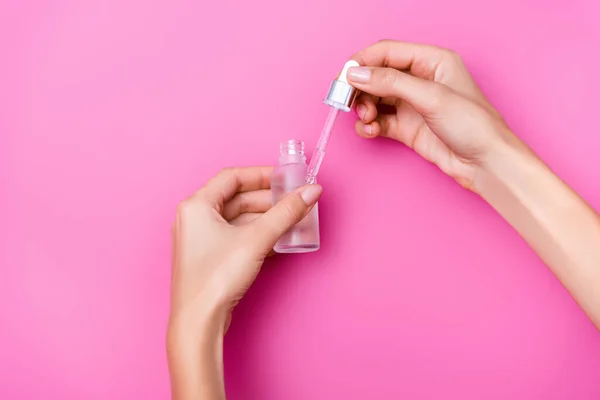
<point>441,113</point>
<point>438,110</point>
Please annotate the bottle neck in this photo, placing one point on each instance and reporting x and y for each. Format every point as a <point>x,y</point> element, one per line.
<point>292,151</point>
<point>292,159</point>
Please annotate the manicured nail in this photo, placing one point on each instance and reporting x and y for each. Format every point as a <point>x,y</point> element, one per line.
<point>368,130</point>
<point>361,111</point>
<point>310,194</point>
<point>359,74</point>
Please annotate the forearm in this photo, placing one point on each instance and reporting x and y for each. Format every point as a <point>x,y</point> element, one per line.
<point>195,355</point>
<point>561,228</point>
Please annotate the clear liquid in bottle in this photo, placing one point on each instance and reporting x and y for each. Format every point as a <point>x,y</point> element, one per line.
<point>289,175</point>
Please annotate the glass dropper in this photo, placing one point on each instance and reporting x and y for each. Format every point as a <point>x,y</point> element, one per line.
<point>340,98</point>
<point>319,153</point>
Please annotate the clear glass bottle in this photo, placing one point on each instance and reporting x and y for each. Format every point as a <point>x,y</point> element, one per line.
<point>288,176</point>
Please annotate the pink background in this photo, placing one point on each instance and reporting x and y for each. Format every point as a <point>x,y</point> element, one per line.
<point>112,111</point>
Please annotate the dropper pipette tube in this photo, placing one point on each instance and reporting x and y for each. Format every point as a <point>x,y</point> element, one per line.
<point>319,153</point>
<point>340,98</point>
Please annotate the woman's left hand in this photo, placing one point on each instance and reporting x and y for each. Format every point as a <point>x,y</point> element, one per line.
<point>221,237</point>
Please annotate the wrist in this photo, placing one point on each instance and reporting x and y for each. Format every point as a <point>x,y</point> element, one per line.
<point>199,315</point>
<point>505,164</point>
<point>193,326</point>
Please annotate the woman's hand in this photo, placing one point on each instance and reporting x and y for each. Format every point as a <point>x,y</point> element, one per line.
<point>221,237</point>
<point>436,107</point>
<point>439,111</point>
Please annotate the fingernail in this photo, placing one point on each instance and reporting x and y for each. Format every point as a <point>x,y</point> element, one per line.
<point>361,111</point>
<point>368,129</point>
<point>359,74</point>
<point>311,194</point>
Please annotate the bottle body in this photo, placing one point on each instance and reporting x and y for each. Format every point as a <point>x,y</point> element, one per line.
<point>288,176</point>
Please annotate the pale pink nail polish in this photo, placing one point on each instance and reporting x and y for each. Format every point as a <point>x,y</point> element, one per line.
<point>368,129</point>
<point>361,111</point>
<point>359,74</point>
<point>311,194</point>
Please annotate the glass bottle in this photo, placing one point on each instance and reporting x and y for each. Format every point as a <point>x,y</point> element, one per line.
<point>288,176</point>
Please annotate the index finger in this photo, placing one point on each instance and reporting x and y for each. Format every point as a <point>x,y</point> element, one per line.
<point>420,59</point>
<point>230,181</point>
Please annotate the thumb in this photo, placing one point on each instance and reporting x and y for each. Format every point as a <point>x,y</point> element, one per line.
<point>286,213</point>
<point>426,97</point>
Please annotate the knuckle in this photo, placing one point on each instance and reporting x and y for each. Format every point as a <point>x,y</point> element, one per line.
<point>288,212</point>
<point>188,208</point>
<point>389,77</point>
<point>453,56</point>
<point>183,208</point>
<point>227,171</point>
<point>293,208</point>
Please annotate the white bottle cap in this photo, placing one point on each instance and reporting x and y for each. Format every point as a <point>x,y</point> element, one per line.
<point>341,94</point>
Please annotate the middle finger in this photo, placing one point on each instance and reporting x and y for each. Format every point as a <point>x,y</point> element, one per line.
<point>256,201</point>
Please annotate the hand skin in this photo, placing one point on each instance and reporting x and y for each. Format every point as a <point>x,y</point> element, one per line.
<point>439,112</point>
<point>223,233</point>
<point>221,237</point>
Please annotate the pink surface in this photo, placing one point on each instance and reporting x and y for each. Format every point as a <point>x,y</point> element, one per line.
<point>112,111</point>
